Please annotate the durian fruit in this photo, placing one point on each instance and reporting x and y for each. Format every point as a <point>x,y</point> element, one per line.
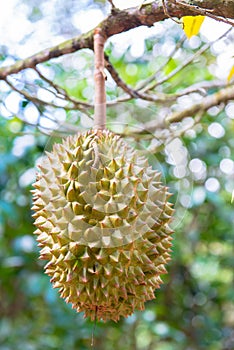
<point>102,219</point>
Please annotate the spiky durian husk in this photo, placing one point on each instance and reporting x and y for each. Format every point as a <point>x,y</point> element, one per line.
<point>102,222</point>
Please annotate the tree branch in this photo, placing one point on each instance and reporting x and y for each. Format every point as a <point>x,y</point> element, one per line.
<point>131,92</point>
<point>221,96</point>
<point>121,21</point>
<point>118,80</point>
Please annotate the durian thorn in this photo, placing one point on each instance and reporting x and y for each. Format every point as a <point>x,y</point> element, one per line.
<point>75,265</point>
<point>96,154</point>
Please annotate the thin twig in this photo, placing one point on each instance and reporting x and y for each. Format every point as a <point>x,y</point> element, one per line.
<point>118,80</point>
<point>221,96</point>
<point>32,85</point>
<point>165,9</point>
<point>37,100</point>
<point>68,127</point>
<point>112,4</point>
<point>62,91</point>
<point>200,88</point>
<point>186,63</point>
<point>202,11</point>
<point>131,92</point>
<point>57,88</point>
<point>29,97</point>
<point>143,84</point>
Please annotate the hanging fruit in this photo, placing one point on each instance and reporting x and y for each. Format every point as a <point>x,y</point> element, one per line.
<point>102,218</point>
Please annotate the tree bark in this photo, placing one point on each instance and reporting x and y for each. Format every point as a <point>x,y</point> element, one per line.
<point>122,21</point>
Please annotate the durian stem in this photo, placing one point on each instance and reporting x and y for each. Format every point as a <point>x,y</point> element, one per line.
<point>99,79</point>
<point>94,326</point>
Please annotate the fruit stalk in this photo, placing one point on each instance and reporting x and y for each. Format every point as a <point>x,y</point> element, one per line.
<point>99,79</point>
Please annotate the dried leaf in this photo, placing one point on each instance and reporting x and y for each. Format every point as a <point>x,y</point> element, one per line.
<point>192,25</point>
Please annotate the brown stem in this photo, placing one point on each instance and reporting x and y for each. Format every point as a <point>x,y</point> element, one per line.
<point>99,79</point>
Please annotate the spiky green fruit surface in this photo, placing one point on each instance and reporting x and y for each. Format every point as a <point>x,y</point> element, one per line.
<point>102,219</point>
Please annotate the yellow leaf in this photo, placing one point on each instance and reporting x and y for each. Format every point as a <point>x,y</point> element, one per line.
<point>192,25</point>
<point>231,74</point>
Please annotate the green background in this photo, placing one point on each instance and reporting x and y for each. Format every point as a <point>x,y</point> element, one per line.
<point>194,309</point>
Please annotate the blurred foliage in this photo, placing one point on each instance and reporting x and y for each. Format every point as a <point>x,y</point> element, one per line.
<point>194,309</point>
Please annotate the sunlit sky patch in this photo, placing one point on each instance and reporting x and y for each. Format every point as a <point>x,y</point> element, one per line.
<point>212,184</point>
<point>24,38</point>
